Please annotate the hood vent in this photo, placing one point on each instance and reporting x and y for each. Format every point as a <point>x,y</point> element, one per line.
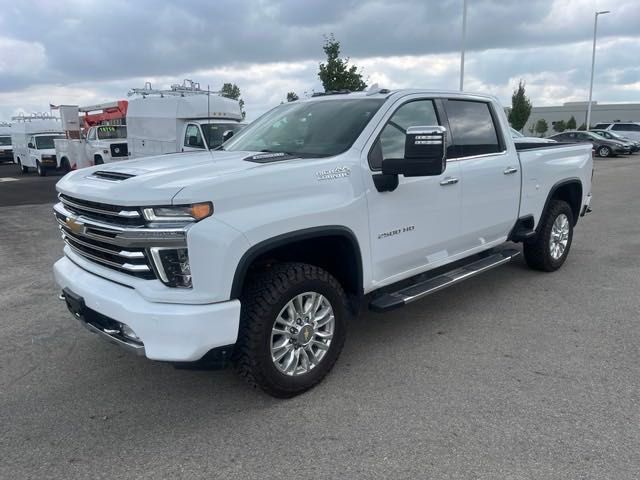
<point>111,176</point>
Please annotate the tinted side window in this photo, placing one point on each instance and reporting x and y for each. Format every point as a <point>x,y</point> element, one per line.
<point>472,129</point>
<point>390,143</point>
<point>192,137</point>
<point>601,126</point>
<point>626,127</point>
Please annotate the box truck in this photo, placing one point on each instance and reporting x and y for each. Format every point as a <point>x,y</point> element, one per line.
<point>33,138</point>
<point>6,148</point>
<point>182,118</point>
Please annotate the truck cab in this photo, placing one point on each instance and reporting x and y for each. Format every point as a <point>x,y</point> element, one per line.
<point>6,148</point>
<point>208,134</point>
<point>106,143</point>
<point>42,153</point>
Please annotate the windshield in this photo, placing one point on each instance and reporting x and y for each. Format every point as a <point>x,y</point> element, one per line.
<point>312,129</point>
<point>213,132</point>
<point>5,140</point>
<point>46,141</point>
<point>109,132</point>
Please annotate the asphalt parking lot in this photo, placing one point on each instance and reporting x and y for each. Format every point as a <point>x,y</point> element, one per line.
<point>513,374</point>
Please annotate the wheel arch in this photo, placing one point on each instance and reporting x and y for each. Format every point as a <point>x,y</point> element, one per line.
<point>569,190</point>
<point>334,248</point>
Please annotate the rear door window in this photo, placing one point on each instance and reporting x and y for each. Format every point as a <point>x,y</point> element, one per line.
<point>473,129</point>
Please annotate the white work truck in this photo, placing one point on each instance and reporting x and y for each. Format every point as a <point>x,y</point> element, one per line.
<point>6,147</point>
<point>262,251</point>
<point>103,144</point>
<point>184,118</point>
<point>33,142</point>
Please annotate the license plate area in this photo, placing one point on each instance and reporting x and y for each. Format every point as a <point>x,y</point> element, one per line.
<point>75,303</point>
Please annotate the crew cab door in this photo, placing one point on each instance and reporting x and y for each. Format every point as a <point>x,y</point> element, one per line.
<point>414,226</point>
<point>490,172</point>
<point>193,139</point>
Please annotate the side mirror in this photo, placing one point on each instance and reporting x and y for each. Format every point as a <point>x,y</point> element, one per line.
<point>227,135</point>
<point>425,153</point>
<point>193,141</point>
<point>30,145</point>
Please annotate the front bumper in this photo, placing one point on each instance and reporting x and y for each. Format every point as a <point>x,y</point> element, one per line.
<point>168,331</point>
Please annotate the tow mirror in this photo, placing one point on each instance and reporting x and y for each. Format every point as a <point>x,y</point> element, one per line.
<point>425,153</point>
<point>30,145</point>
<point>227,135</point>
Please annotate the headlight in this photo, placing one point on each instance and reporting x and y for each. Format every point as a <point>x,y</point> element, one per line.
<point>181,213</point>
<point>172,265</point>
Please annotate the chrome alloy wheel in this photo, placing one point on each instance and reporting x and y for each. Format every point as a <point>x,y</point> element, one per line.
<point>302,333</point>
<point>559,237</point>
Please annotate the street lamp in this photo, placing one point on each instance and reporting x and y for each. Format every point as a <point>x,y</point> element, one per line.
<point>593,64</point>
<point>464,34</point>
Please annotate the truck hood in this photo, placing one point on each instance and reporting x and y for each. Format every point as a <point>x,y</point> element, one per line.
<point>151,180</point>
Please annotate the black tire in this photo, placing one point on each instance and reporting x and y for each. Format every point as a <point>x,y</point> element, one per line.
<point>98,160</point>
<point>537,251</point>
<point>604,151</point>
<point>65,167</point>
<point>22,168</point>
<point>264,297</point>
<point>40,169</point>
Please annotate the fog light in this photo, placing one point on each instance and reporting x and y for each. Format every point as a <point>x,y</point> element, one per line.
<point>172,265</point>
<point>127,331</point>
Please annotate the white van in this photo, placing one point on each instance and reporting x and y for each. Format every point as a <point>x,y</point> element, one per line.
<point>33,142</point>
<point>6,147</point>
<point>183,118</point>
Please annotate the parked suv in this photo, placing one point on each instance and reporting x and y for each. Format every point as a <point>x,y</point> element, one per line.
<point>602,146</point>
<point>628,129</point>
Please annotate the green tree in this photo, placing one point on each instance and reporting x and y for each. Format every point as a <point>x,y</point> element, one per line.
<point>532,129</point>
<point>231,90</point>
<point>336,73</point>
<point>292,97</point>
<point>541,127</point>
<point>583,126</point>
<point>559,126</point>
<point>571,123</point>
<point>520,107</point>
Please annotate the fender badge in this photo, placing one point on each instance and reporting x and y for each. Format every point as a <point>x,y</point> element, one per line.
<point>331,174</point>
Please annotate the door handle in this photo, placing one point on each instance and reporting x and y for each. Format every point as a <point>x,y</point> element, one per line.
<point>449,181</point>
<point>510,170</point>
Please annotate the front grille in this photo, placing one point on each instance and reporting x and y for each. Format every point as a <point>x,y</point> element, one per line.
<point>128,216</point>
<point>112,236</point>
<point>119,149</point>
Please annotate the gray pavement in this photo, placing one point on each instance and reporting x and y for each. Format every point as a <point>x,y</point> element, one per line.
<point>513,374</point>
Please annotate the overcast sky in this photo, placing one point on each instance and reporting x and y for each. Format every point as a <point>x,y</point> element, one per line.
<point>84,52</point>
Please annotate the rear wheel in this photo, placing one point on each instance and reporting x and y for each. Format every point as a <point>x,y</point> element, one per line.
<point>548,250</point>
<point>40,169</point>
<point>292,328</point>
<point>65,166</point>
<point>604,151</point>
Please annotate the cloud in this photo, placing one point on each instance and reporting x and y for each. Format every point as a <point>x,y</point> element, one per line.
<point>58,51</point>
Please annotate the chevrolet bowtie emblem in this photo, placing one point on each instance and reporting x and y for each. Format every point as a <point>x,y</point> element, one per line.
<point>74,226</point>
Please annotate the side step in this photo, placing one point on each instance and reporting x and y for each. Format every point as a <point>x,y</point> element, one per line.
<point>392,300</point>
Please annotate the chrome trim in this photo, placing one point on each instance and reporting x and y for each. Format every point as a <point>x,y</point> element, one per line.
<point>449,181</point>
<point>510,170</point>
<point>150,215</point>
<point>124,266</point>
<point>157,262</point>
<point>473,157</point>
<point>130,346</point>
<point>121,253</point>
<point>121,213</point>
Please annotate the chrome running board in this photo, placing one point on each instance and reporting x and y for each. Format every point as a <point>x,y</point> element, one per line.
<point>414,292</point>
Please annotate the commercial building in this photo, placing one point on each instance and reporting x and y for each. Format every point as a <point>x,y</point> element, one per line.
<point>605,112</point>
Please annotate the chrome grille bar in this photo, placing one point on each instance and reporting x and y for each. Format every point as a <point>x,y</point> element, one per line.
<point>83,207</point>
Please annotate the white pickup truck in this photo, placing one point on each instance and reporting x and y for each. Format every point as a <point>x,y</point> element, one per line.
<point>103,144</point>
<point>262,251</point>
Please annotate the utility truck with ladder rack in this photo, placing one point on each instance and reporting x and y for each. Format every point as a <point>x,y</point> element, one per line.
<point>260,253</point>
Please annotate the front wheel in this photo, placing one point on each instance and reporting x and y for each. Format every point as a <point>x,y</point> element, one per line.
<point>548,250</point>
<point>40,169</point>
<point>22,168</point>
<point>292,328</point>
<point>65,167</point>
<point>604,151</point>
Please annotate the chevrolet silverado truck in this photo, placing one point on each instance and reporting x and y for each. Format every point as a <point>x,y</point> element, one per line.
<point>260,252</point>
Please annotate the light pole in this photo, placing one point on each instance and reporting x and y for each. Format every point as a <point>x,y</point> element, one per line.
<point>464,34</point>
<point>593,64</point>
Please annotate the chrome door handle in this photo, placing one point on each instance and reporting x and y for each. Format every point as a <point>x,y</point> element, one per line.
<point>449,181</point>
<point>510,170</point>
